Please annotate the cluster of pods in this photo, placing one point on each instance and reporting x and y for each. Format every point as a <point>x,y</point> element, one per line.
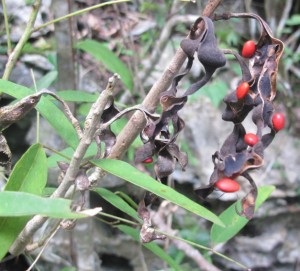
<point>242,151</point>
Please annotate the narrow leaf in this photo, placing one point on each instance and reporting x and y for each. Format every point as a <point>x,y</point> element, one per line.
<point>29,175</point>
<point>14,90</point>
<point>30,172</point>
<point>66,154</point>
<point>32,205</point>
<point>58,120</point>
<point>153,247</point>
<point>233,222</point>
<point>77,96</point>
<point>129,173</point>
<point>118,202</point>
<point>47,80</point>
<point>100,52</point>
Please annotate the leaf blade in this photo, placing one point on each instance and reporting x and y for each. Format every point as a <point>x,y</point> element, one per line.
<point>58,120</point>
<point>233,222</point>
<point>33,205</point>
<point>29,175</point>
<point>108,59</point>
<point>117,201</point>
<point>77,96</point>
<point>131,174</point>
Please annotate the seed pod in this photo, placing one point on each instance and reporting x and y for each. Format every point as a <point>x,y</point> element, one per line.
<point>250,139</point>
<point>227,185</point>
<point>248,49</point>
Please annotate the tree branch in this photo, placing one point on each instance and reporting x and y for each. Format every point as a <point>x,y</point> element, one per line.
<point>137,122</point>
<point>9,48</point>
<point>13,57</point>
<point>91,122</point>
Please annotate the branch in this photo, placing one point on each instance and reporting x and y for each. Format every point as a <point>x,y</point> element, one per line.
<point>9,48</point>
<point>68,112</point>
<point>13,57</point>
<point>191,252</point>
<point>91,122</point>
<point>137,122</point>
<point>78,12</point>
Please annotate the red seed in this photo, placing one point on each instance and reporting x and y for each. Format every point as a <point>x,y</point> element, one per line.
<point>278,121</point>
<point>148,160</point>
<point>227,185</point>
<point>251,139</point>
<point>248,49</point>
<point>242,90</point>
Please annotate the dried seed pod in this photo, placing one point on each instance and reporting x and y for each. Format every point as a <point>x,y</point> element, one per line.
<point>13,113</point>
<point>5,154</point>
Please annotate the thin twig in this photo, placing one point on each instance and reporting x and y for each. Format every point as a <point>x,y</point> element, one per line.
<point>9,47</point>
<point>137,122</point>
<point>44,238</point>
<point>13,57</point>
<point>69,113</point>
<point>285,15</point>
<point>78,12</point>
<point>125,111</point>
<point>37,112</point>
<point>42,250</point>
<point>159,220</point>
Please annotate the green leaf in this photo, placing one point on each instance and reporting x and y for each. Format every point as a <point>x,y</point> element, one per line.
<point>77,96</point>
<point>153,247</point>
<point>129,173</point>
<point>58,120</point>
<point>56,157</point>
<point>101,53</point>
<point>215,91</point>
<point>14,90</point>
<point>66,154</point>
<point>233,222</point>
<point>118,202</point>
<point>29,175</point>
<point>69,268</point>
<point>46,81</point>
<point>32,205</point>
<point>294,20</point>
<point>48,110</point>
<point>30,172</point>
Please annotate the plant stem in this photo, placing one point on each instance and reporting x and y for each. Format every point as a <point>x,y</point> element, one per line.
<point>203,247</point>
<point>37,112</point>
<point>78,12</point>
<point>137,122</point>
<point>119,218</point>
<point>69,178</point>
<point>13,57</point>
<point>9,47</point>
<point>56,152</point>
